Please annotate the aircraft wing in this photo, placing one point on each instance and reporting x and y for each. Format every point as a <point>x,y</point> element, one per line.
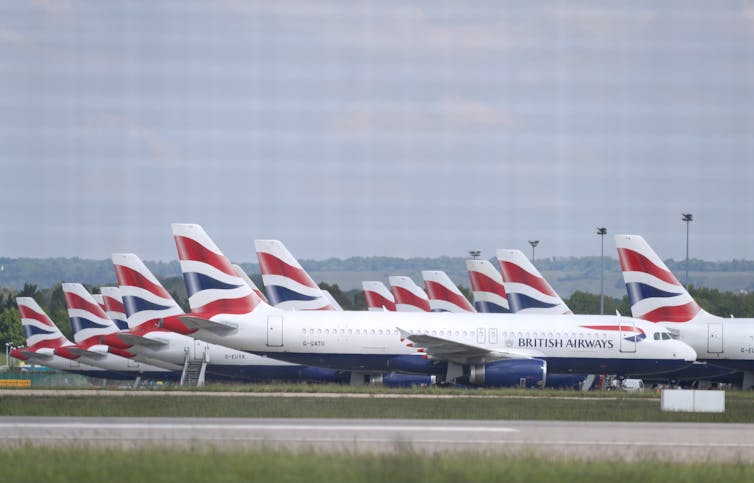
<point>459,352</point>
<point>137,340</point>
<point>197,323</point>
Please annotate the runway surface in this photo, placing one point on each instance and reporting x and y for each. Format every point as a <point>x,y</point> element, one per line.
<point>556,439</point>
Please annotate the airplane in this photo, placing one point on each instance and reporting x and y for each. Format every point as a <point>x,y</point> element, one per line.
<point>333,303</point>
<point>288,285</point>
<point>487,286</point>
<point>656,295</point>
<point>527,290</point>
<point>113,306</point>
<point>43,337</point>
<point>90,324</point>
<point>409,297</point>
<point>147,302</point>
<point>248,281</point>
<point>479,349</point>
<point>443,294</point>
<point>378,297</point>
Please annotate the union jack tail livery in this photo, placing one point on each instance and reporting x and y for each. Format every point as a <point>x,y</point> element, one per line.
<point>443,294</point>
<point>100,301</point>
<point>409,297</point>
<point>39,329</point>
<point>288,285</point>
<point>145,300</point>
<point>240,272</point>
<point>88,320</point>
<point>113,305</point>
<point>487,286</point>
<point>654,293</point>
<point>378,296</point>
<point>334,303</point>
<point>212,284</point>
<point>527,290</point>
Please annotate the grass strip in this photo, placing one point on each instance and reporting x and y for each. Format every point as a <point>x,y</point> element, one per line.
<point>627,409</point>
<point>77,465</point>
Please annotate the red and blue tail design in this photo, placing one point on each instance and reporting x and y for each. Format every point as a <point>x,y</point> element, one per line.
<point>378,296</point>
<point>527,290</point>
<point>487,286</point>
<point>409,297</point>
<point>145,300</point>
<point>443,294</point>
<point>113,305</point>
<point>39,329</point>
<point>213,286</point>
<point>654,293</point>
<point>250,283</point>
<point>88,320</point>
<point>287,283</point>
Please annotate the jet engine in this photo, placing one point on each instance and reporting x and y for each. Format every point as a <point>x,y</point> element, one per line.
<point>509,372</point>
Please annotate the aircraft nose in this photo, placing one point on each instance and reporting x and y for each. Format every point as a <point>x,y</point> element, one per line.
<point>685,351</point>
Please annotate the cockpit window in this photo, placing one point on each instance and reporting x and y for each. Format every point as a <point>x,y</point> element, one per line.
<point>662,336</point>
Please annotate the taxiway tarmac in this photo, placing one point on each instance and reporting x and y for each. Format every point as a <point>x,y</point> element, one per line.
<point>557,439</point>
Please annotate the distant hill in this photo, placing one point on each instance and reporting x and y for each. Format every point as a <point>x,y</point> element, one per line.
<point>566,274</point>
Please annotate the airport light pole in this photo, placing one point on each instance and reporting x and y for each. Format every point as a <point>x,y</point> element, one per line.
<point>688,218</point>
<point>533,244</point>
<point>475,254</point>
<point>602,231</point>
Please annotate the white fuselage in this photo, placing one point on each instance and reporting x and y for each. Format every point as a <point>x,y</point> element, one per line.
<point>724,342</point>
<point>371,340</point>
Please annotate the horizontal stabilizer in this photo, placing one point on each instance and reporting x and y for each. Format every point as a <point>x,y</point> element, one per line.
<point>36,356</point>
<point>137,340</point>
<point>197,323</point>
<point>86,353</point>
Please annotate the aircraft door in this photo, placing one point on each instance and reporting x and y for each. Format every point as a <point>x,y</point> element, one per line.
<point>198,349</point>
<point>274,331</point>
<point>627,334</point>
<point>714,337</point>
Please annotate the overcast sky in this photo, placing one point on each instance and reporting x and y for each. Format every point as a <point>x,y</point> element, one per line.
<point>376,128</point>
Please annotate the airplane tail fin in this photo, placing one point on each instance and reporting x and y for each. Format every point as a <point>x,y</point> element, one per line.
<point>333,303</point>
<point>113,304</point>
<point>145,300</point>
<point>527,290</point>
<point>250,283</point>
<point>443,294</point>
<point>88,320</point>
<point>409,297</point>
<point>487,286</point>
<point>39,329</point>
<point>378,296</point>
<point>213,286</point>
<point>655,294</point>
<point>287,283</point>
